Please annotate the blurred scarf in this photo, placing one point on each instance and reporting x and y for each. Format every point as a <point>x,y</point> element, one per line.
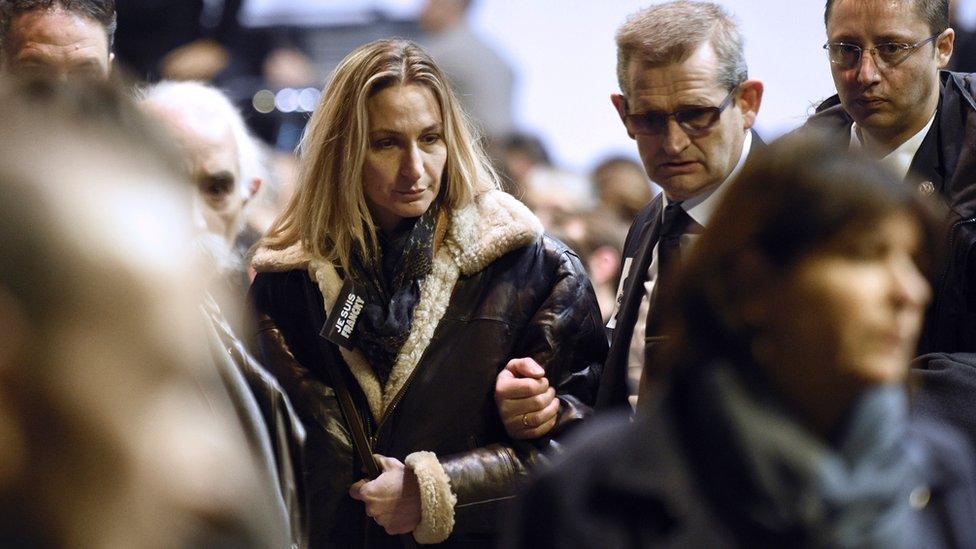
<point>390,286</point>
<point>778,483</point>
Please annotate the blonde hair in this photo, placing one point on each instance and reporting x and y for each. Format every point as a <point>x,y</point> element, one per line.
<point>669,33</point>
<point>328,213</point>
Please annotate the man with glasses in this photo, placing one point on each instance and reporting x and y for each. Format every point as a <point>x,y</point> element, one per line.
<point>688,103</point>
<point>894,102</point>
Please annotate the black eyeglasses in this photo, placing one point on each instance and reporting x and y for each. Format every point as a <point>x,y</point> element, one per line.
<point>693,120</point>
<point>885,55</point>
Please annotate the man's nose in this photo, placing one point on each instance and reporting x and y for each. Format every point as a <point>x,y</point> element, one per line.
<point>412,163</point>
<point>867,69</point>
<point>675,138</point>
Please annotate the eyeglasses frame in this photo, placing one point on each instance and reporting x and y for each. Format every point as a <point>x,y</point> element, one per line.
<point>908,48</point>
<point>695,132</point>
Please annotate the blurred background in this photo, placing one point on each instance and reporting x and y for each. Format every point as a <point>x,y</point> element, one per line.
<point>552,61</point>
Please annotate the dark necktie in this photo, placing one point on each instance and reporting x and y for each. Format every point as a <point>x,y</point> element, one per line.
<point>676,223</point>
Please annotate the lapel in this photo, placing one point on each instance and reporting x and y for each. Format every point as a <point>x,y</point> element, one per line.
<point>633,290</point>
<point>957,118</point>
<point>930,162</point>
<point>613,385</point>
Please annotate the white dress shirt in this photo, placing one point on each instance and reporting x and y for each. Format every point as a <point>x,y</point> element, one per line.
<point>898,160</point>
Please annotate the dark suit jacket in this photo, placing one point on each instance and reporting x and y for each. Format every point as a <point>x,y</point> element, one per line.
<point>947,159</point>
<point>641,239</point>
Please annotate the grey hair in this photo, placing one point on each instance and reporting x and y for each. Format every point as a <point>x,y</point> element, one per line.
<point>192,98</point>
<point>669,33</point>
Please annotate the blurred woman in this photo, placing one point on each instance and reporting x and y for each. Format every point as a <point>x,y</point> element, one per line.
<point>429,279</point>
<point>785,423</point>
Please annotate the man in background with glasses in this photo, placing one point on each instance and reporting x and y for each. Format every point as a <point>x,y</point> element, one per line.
<point>894,101</point>
<point>688,103</point>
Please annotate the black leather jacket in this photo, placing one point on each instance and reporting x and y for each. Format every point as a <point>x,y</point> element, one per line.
<point>499,290</point>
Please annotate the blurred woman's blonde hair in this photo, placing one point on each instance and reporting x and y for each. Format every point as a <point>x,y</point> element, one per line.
<point>328,213</point>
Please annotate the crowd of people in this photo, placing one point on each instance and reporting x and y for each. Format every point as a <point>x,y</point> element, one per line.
<point>408,333</point>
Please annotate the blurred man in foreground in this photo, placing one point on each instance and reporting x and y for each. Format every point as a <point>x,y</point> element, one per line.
<point>116,430</point>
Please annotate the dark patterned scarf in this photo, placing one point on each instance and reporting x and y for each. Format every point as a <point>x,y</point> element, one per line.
<point>391,289</point>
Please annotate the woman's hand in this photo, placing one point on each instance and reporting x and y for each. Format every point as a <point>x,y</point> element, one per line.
<point>526,403</point>
<point>393,498</point>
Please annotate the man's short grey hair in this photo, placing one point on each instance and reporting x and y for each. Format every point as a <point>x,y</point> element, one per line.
<point>193,98</point>
<point>669,33</point>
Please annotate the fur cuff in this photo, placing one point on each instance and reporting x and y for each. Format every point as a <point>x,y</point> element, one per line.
<point>436,499</point>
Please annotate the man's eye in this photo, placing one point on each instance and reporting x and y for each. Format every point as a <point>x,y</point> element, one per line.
<point>891,49</point>
<point>216,187</point>
<point>694,115</point>
<point>430,138</point>
<point>383,143</point>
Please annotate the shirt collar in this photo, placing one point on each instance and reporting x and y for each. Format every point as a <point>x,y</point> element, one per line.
<point>701,207</point>
<point>900,159</point>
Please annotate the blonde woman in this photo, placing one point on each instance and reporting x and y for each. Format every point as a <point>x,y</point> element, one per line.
<point>426,281</point>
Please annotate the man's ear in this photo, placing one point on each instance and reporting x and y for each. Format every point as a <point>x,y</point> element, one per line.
<point>620,103</point>
<point>943,47</point>
<point>253,189</point>
<point>750,98</point>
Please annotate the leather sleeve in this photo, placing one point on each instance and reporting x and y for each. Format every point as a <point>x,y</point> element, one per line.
<point>286,433</point>
<point>483,480</point>
<point>566,336</point>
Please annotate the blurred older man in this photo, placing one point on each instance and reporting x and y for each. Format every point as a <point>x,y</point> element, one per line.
<point>224,163</point>
<point>57,38</point>
<point>223,159</point>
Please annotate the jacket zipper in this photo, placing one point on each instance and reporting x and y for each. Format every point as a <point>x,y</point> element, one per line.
<point>374,437</point>
<point>396,400</point>
<point>945,272</point>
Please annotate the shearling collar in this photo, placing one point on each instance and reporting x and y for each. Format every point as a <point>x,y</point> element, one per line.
<point>479,233</point>
<point>493,225</point>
